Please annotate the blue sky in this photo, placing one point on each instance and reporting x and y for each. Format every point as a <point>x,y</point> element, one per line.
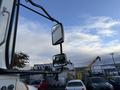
<point>91,29</point>
<point>71,12</point>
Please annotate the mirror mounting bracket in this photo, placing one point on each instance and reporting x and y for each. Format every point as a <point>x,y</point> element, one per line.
<point>61,50</point>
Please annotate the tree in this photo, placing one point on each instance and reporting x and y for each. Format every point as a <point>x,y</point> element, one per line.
<point>20,60</point>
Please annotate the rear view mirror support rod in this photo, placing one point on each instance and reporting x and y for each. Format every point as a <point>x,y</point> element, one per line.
<point>61,50</point>
<point>47,16</point>
<point>36,5</point>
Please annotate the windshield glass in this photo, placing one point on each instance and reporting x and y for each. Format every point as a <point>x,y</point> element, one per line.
<point>70,84</point>
<point>91,43</point>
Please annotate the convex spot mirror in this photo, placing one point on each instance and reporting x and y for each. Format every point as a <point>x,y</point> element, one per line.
<point>57,34</point>
<point>59,60</point>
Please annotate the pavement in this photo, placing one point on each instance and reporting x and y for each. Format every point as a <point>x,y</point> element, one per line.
<point>56,88</point>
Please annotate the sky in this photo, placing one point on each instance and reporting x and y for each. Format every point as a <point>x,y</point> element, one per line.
<point>91,29</point>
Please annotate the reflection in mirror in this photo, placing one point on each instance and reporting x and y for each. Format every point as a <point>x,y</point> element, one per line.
<point>59,60</point>
<point>57,34</point>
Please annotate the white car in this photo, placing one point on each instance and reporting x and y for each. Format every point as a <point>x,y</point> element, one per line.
<point>75,85</point>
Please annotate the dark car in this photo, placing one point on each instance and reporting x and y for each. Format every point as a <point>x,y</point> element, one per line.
<point>36,83</point>
<point>115,81</point>
<point>98,83</point>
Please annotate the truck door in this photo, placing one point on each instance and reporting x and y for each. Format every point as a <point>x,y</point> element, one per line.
<point>6,9</point>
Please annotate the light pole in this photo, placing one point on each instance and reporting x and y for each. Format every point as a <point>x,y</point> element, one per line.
<point>112,54</point>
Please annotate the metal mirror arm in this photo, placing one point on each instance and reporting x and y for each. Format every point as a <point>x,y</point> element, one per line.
<point>39,6</point>
<point>33,10</point>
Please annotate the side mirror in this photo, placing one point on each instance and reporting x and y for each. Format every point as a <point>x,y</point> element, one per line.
<point>57,34</point>
<point>59,60</point>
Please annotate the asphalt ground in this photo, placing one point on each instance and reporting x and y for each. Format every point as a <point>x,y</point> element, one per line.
<point>57,88</point>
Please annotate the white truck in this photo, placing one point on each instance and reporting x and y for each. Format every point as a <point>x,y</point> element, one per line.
<point>9,12</point>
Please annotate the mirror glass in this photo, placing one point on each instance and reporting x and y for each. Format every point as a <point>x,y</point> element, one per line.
<point>57,34</point>
<point>59,60</point>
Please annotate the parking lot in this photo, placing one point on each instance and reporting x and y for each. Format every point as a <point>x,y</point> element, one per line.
<point>56,88</point>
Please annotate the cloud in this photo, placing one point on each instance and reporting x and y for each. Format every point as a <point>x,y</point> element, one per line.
<point>107,32</point>
<point>83,43</point>
<point>102,25</point>
<point>102,22</point>
<point>34,39</point>
<point>95,37</point>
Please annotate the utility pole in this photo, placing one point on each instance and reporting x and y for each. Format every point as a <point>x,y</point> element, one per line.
<point>112,54</point>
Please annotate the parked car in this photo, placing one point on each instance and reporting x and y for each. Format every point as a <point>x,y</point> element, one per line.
<point>115,81</point>
<point>75,85</point>
<point>36,83</point>
<point>98,83</point>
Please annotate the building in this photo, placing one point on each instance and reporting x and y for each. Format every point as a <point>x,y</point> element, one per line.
<point>67,73</point>
<point>80,72</point>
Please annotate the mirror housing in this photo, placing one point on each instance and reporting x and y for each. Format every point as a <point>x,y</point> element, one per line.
<point>57,34</point>
<point>59,60</point>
